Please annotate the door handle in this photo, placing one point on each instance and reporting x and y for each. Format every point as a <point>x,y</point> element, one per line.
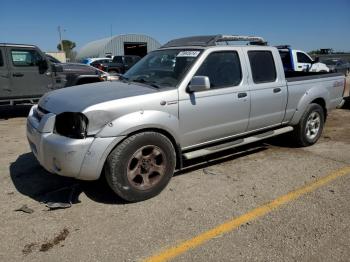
<point>300,66</point>
<point>241,95</point>
<point>277,90</point>
<point>17,74</point>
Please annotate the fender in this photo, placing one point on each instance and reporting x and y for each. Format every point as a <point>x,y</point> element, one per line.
<point>309,96</point>
<point>143,119</point>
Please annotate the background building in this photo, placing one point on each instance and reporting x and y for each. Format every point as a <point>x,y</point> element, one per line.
<point>130,44</point>
<point>61,56</point>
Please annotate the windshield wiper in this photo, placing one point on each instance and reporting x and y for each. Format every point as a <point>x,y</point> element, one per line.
<point>122,77</point>
<point>143,81</point>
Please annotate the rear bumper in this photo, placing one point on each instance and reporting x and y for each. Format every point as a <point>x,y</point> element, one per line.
<point>78,158</point>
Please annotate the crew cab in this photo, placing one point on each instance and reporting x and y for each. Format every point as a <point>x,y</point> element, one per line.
<point>191,98</point>
<point>297,60</point>
<point>26,73</point>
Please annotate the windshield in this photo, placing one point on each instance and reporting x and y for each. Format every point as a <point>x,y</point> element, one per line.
<point>162,68</point>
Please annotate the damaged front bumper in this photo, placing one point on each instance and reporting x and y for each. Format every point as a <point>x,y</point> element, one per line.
<point>78,158</point>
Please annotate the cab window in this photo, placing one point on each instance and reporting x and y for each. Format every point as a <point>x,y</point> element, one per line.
<point>222,68</point>
<point>262,66</point>
<point>128,60</point>
<point>24,58</point>
<point>302,58</point>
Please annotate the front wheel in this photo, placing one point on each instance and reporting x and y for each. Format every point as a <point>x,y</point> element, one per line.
<point>310,126</point>
<point>141,166</point>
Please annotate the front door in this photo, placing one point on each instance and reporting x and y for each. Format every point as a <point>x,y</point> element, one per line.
<point>26,78</point>
<point>5,89</point>
<point>222,111</point>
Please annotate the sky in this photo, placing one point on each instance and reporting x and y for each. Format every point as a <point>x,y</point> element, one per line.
<point>306,25</point>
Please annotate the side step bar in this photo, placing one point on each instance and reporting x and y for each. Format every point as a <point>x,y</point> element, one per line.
<point>236,143</point>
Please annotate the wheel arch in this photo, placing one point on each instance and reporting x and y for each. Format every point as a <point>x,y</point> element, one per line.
<point>318,95</point>
<point>164,132</point>
<point>320,101</point>
<point>167,134</point>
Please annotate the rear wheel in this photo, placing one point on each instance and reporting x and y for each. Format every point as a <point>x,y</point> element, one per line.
<point>141,166</point>
<point>310,127</point>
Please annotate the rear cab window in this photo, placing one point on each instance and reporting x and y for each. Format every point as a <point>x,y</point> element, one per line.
<point>128,60</point>
<point>263,66</point>
<point>118,59</point>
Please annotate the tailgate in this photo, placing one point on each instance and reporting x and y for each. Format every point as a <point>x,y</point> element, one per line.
<point>347,87</point>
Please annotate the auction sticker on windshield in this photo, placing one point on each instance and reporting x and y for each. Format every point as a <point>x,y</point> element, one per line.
<point>188,54</point>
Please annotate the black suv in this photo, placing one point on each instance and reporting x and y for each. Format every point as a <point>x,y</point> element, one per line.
<point>26,73</point>
<point>119,64</point>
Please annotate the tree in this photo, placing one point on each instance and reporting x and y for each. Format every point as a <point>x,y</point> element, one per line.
<point>68,47</point>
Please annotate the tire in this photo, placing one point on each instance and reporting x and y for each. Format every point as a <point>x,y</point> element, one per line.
<point>141,166</point>
<point>310,126</point>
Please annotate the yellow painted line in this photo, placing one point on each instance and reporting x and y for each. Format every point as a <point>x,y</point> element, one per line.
<point>230,225</point>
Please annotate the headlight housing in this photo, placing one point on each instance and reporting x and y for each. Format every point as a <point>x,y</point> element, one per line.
<point>70,124</point>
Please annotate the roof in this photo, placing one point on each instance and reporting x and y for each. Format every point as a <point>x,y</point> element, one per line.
<point>213,40</point>
<point>19,45</point>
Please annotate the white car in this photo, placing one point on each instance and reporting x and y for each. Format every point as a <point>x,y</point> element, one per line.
<point>297,60</point>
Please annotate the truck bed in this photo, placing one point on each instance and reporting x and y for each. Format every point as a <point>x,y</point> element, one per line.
<point>292,76</point>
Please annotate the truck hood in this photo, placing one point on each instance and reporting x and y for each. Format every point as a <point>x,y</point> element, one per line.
<point>76,68</point>
<point>78,98</point>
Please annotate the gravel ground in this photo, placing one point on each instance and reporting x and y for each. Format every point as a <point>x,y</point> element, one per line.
<point>101,227</point>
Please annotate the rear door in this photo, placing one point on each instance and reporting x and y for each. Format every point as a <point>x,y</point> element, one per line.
<point>25,76</point>
<point>5,89</point>
<point>268,91</point>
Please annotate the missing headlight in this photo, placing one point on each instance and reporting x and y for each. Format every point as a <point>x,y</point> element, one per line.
<point>73,125</point>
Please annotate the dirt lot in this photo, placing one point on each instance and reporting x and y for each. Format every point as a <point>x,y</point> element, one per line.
<point>101,227</point>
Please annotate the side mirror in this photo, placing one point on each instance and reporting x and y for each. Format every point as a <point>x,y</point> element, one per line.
<point>199,83</point>
<point>317,59</point>
<point>56,68</point>
<point>43,66</point>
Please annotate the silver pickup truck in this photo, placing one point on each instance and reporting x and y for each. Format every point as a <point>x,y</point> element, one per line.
<point>192,97</point>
